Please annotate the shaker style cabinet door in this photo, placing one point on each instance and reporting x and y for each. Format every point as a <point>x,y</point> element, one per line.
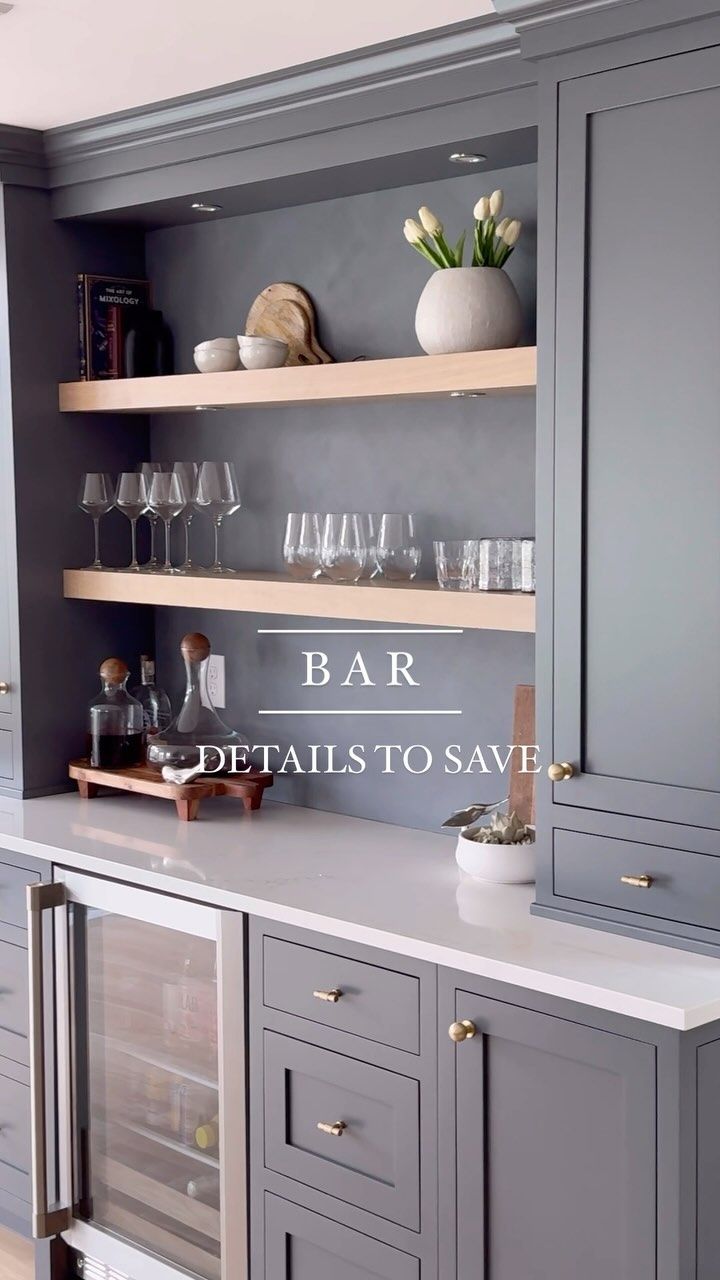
<point>547,1148</point>
<point>637,441</point>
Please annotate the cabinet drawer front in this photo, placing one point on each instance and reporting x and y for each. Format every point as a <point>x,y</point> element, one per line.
<point>375,1003</point>
<point>14,1137</point>
<point>300,1245</point>
<point>13,1002</point>
<point>13,881</point>
<point>684,886</point>
<point>374,1163</point>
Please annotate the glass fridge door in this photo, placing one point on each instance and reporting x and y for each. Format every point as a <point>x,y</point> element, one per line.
<point>155,1149</point>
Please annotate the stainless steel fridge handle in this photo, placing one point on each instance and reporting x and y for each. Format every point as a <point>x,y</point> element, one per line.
<point>45,1221</point>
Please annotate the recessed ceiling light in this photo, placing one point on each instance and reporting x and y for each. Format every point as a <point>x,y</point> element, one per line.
<point>200,207</point>
<point>467,157</point>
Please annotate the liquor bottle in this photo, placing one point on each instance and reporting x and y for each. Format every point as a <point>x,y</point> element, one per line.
<point>157,712</point>
<point>115,721</point>
<point>207,1135</point>
<point>205,1187</point>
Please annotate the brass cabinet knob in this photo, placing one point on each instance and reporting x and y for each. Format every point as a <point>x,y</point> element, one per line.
<point>638,882</point>
<point>4,686</point>
<point>459,1031</point>
<point>331,997</point>
<point>335,1130</point>
<point>560,772</point>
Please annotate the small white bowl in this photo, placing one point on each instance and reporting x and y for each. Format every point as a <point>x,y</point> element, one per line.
<point>228,344</point>
<point>262,353</point>
<point>496,863</point>
<point>210,358</point>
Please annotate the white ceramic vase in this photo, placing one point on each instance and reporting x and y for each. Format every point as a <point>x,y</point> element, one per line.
<point>468,309</point>
<point>496,863</point>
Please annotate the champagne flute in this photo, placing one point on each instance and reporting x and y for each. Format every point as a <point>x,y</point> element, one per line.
<point>96,497</point>
<point>187,473</point>
<point>165,498</point>
<point>149,469</point>
<point>132,500</point>
<point>217,492</point>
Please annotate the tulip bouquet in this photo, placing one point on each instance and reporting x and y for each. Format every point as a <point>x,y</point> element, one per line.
<point>493,241</point>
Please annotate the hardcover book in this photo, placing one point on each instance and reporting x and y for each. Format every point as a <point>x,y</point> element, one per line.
<point>103,304</point>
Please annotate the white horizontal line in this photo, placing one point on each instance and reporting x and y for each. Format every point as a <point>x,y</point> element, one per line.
<point>346,712</point>
<point>360,631</point>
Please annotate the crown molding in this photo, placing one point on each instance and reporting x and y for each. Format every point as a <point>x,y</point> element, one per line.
<point>524,14</point>
<point>430,54</point>
<point>22,158</point>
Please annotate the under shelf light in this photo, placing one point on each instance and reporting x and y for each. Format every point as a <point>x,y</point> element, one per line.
<point>467,157</point>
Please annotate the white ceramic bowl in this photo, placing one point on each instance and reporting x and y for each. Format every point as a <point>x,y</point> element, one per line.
<point>212,357</point>
<point>262,353</point>
<point>229,344</point>
<point>496,863</point>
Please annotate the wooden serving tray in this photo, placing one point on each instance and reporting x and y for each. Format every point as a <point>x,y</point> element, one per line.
<point>248,787</point>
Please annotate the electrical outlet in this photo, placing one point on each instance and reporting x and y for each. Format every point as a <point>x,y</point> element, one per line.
<point>216,679</point>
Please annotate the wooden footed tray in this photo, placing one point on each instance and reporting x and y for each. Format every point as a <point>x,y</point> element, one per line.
<point>248,787</point>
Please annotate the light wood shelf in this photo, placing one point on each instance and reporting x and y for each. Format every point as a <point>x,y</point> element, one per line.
<point>414,603</point>
<point>510,371</point>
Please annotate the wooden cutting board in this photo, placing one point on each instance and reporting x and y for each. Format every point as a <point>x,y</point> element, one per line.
<point>286,311</point>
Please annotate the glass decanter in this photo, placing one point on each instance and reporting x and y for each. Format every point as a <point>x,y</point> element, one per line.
<point>198,723</point>
<point>154,700</point>
<point>115,721</point>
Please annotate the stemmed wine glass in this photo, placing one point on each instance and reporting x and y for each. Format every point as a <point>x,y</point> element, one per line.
<point>217,493</point>
<point>96,497</point>
<point>165,498</point>
<point>148,470</point>
<point>187,473</point>
<point>132,500</point>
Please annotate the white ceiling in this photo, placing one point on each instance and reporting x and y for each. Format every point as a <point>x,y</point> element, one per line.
<point>67,60</point>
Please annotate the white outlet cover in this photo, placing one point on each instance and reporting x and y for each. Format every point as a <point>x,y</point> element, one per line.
<point>216,679</point>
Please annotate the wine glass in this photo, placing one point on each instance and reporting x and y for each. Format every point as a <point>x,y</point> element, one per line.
<point>217,492</point>
<point>343,548</point>
<point>398,551</point>
<point>302,548</point>
<point>187,473</point>
<point>371,524</point>
<point>96,497</point>
<point>165,498</point>
<point>149,469</point>
<point>132,499</point>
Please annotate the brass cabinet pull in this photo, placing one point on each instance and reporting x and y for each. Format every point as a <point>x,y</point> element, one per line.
<point>560,772</point>
<point>459,1031</point>
<point>335,1130</point>
<point>638,882</point>
<point>331,997</point>
<point>4,686</point>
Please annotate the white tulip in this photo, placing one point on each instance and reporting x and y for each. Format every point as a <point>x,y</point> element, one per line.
<point>482,209</point>
<point>496,203</point>
<point>430,223</point>
<point>412,231</point>
<point>511,234</point>
<point>502,226</point>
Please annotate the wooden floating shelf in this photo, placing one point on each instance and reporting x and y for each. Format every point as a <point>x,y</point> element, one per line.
<point>508,372</point>
<point>414,603</point>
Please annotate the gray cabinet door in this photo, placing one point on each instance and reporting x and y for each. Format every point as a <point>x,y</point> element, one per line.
<point>372,1159</point>
<point>548,1167</point>
<point>637,440</point>
<point>300,1245</point>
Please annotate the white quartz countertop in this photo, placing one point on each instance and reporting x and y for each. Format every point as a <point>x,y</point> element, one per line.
<point>367,882</point>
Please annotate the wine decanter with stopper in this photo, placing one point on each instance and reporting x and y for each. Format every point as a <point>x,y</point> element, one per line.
<point>115,721</point>
<point>198,723</point>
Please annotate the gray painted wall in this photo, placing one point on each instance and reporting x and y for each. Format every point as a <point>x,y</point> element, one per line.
<point>465,467</point>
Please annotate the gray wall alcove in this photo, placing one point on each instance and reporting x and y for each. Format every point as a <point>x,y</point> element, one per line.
<point>466,467</point>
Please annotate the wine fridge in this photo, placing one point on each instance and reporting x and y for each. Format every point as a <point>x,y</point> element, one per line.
<point>138,1083</point>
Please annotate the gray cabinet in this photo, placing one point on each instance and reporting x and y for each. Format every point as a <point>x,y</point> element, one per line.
<point>549,1148</point>
<point>632,507</point>
<point>16,872</point>
<point>300,1245</point>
